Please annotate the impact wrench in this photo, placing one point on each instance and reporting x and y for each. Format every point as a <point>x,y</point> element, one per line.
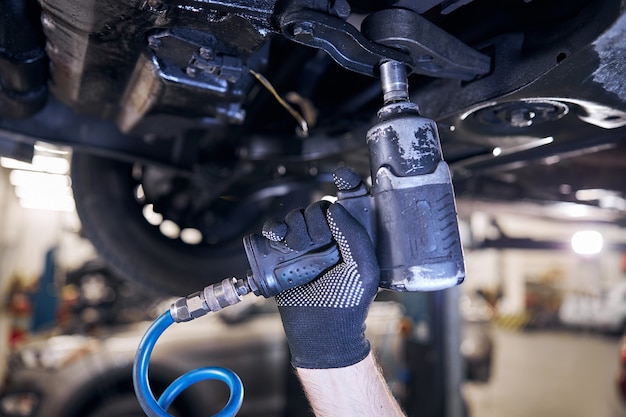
<point>409,214</point>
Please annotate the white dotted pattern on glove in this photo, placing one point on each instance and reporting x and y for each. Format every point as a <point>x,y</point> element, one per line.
<point>341,183</point>
<point>344,279</point>
<point>270,235</point>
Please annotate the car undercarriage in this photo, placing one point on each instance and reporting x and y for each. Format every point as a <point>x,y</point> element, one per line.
<point>211,116</point>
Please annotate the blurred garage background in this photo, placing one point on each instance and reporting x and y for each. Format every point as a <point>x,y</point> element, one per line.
<point>541,313</point>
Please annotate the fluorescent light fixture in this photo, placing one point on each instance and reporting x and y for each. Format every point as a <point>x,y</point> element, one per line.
<point>571,210</point>
<point>607,199</point>
<point>591,194</point>
<point>42,190</point>
<point>43,147</point>
<point>20,178</point>
<point>613,202</point>
<point>50,164</point>
<point>587,242</point>
<point>56,203</point>
<point>10,163</point>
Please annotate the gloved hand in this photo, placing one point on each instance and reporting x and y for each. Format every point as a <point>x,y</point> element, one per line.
<point>324,320</point>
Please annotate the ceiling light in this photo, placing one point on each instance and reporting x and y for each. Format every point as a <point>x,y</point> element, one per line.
<point>20,178</point>
<point>56,203</point>
<point>587,242</point>
<point>51,164</point>
<point>46,148</point>
<point>42,190</point>
<point>591,194</point>
<point>41,163</point>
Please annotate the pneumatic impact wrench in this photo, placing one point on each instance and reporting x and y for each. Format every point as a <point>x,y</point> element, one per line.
<point>409,213</point>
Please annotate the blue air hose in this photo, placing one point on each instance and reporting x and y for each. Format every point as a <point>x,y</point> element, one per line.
<point>148,402</point>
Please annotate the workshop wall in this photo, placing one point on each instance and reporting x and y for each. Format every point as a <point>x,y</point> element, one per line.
<point>9,228</point>
<point>27,234</point>
<point>510,271</point>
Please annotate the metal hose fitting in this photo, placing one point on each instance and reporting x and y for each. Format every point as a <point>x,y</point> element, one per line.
<point>213,298</point>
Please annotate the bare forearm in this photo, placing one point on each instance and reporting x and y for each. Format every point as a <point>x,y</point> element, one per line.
<point>356,390</point>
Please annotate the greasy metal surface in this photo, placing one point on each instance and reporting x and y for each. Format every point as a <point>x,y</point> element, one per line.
<point>408,144</point>
<point>433,51</point>
<point>523,58</point>
<point>576,66</point>
<point>91,38</point>
<point>611,50</point>
<point>23,64</point>
<point>342,41</point>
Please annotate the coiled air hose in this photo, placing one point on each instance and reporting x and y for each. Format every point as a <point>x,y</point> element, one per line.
<point>148,402</point>
<point>214,298</point>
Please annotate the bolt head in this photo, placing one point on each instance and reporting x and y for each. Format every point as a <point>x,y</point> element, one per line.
<point>206,53</point>
<point>303,29</point>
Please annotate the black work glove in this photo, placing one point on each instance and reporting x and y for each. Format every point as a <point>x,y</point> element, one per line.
<point>324,320</point>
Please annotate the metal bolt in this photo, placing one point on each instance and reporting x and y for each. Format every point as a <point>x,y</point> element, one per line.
<point>206,53</point>
<point>303,29</point>
<point>154,42</point>
<point>155,4</point>
<point>191,71</point>
<point>521,117</point>
<point>340,8</point>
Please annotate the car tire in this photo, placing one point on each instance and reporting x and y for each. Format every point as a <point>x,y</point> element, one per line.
<point>112,219</point>
<point>121,406</point>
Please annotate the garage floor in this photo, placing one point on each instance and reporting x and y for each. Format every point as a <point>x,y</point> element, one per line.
<point>550,374</point>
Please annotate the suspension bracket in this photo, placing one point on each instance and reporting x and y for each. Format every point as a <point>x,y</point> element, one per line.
<point>393,34</point>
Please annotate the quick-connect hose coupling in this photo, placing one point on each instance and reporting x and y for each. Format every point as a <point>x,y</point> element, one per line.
<point>212,298</point>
